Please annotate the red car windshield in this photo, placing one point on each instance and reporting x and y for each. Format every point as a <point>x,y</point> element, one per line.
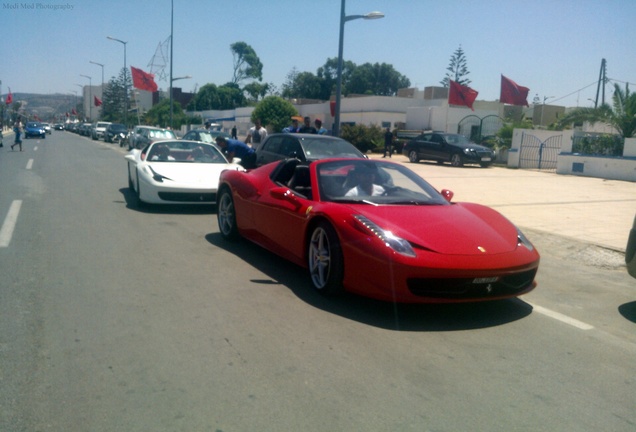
<point>374,182</point>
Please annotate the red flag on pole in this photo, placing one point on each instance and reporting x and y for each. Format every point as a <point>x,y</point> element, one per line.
<point>73,111</point>
<point>461,95</point>
<point>98,101</point>
<point>143,80</point>
<point>9,97</point>
<point>512,93</point>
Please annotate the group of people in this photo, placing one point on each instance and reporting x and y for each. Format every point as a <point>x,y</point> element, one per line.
<point>306,127</point>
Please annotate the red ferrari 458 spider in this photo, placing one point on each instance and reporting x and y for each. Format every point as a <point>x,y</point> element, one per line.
<point>377,229</point>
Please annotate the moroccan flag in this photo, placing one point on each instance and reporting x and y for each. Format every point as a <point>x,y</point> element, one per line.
<point>73,111</point>
<point>512,93</point>
<point>143,80</point>
<point>98,101</point>
<point>9,97</point>
<point>461,95</point>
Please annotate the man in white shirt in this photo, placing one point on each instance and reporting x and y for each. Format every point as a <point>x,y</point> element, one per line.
<point>256,135</point>
<point>365,177</point>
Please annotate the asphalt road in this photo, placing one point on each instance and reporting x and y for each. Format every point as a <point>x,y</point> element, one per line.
<point>116,318</point>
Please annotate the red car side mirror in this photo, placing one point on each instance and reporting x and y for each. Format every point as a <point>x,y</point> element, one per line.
<point>447,194</point>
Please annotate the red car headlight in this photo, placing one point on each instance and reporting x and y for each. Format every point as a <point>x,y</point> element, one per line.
<point>396,243</point>
<point>523,240</point>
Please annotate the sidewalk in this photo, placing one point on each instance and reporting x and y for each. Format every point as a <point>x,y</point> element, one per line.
<point>592,210</point>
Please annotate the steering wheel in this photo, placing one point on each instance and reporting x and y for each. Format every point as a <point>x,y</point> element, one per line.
<point>389,190</point>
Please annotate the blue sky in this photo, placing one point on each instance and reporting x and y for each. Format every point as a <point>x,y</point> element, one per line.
<point>554,47</point>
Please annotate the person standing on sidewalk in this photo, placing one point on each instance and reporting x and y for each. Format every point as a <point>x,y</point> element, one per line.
<point>256,135</point>
<point>388,143</point>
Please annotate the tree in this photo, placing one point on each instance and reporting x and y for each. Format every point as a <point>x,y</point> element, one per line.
<point>457,69</point>
<point>274,112</point>
<point>622,114</point>
<point>376,79</point>
<point>328,73</point>
<point>114,96</point>
<point>160,114</point>
<point>373,79</point>
<point>246,63</point>
<point>364,137</point>
<point>504,135</point>
<point>256,90</point>
<point>211,97</point>
<point>302,85</point>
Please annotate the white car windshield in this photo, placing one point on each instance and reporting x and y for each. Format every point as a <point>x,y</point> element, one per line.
<point>185,152</point>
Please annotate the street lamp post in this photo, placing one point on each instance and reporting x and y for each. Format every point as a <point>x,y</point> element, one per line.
<point>125,80</point>
<point>171,43</point>
<point>343,19</point>
<point>83,112</point>
<point>102,66</point>
<point>90,97</point>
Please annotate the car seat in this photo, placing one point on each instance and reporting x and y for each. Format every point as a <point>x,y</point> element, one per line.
<point>301,181</point>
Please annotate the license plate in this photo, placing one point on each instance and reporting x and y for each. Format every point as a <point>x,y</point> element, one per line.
<point>485,280</point>
<point>486,159</point>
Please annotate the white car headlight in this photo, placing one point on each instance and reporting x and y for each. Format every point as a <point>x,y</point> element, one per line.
<point>396,243</point>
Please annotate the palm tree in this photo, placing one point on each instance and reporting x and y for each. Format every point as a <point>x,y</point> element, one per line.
<point>622,116</point>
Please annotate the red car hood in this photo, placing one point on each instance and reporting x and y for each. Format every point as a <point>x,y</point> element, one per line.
<point>457,229</point>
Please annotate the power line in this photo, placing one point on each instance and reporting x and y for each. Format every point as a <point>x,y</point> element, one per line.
<point>624,82</point>
<point>575,91</point>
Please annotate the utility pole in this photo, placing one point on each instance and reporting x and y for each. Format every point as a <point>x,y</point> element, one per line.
<point>602,79</point>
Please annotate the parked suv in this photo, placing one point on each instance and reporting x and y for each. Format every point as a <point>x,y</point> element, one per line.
<point>445,147</point>
<point>98,130</point>
<point>144,135</point>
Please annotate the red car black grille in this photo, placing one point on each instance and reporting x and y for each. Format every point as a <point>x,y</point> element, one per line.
<point>467,288</point>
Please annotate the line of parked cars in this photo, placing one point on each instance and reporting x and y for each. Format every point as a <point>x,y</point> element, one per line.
<point>357,224</point>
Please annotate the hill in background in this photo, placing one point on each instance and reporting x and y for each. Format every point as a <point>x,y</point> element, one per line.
<point>48,107</point>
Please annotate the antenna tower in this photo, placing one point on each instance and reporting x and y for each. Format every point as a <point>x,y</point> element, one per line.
<point>160,60</point>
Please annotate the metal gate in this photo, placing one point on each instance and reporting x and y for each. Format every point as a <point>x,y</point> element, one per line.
<point>477,128</point>
<point>537,154</point>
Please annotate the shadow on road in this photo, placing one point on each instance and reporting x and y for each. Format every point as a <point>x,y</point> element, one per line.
<point>390,316</point>
<point>628,310</point>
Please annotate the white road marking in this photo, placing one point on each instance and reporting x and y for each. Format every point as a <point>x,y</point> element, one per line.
<point>560,317</point>
<point>6,232</point>
<point>29,164</point>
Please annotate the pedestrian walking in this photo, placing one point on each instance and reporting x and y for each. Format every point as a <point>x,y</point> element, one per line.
<point>17,128</point>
